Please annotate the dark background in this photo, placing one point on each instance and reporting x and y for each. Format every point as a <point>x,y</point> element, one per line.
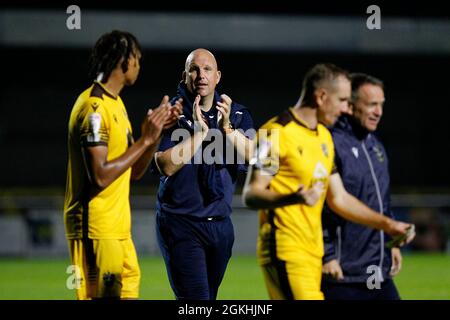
<point>40,85</point>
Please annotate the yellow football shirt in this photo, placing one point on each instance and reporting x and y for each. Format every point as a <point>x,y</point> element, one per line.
<point>97,118</point>
<point>295,155</point>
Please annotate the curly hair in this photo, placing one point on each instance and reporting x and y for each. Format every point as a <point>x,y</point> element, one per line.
<point>109,50</point>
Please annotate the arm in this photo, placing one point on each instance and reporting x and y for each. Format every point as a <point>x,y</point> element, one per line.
<point>329,227</point>
<point>173,159</point>
<point>331,266</point>
<point>243,145</point>
<point>102,172</point>
<point>256,194</point>
<point>141,165</point>
<point>350,208</point>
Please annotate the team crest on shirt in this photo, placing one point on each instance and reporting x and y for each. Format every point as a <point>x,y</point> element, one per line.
<point>115,118</point>
<point>379,153</point>
<point>325,149</point>
<point>300,150</point>
<point>355,152</point>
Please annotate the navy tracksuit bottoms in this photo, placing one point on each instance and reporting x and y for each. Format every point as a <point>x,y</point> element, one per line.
<point>359,291</point>
<point>196,252</point>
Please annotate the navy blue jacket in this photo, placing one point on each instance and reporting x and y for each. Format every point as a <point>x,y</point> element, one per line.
<point>201,190</point>
<point>363,165</point>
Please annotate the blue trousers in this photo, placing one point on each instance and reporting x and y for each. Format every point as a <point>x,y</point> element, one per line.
<point>196,253</point>
<point>359,291</point>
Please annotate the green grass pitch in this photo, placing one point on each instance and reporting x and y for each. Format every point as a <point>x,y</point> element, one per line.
<point>424,276</point>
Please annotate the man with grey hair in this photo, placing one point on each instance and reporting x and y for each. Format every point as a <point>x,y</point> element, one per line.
<point>357,261</point>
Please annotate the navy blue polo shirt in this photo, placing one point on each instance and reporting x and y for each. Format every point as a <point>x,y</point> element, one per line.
<point>200,189</point>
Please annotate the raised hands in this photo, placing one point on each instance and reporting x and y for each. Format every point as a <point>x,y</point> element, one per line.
<point>224,108</point>
<point>175,111</point>
<point>162,117</point>
<point>153,123</point>
<point>198,117</point>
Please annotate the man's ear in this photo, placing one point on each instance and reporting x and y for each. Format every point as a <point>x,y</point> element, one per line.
<point>183,77</point>
<point>351,108</point>
<point>122,65</point>
<point>219,76</point>
<point>321,95</point>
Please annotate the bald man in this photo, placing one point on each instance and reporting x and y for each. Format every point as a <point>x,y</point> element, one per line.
<point>199,160</point>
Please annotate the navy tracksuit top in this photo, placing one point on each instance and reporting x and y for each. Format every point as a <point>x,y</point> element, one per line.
<point>363,165</point>
<point>201,190</point>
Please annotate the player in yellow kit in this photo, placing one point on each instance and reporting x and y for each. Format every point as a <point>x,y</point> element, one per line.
<point>305,158</point>
<point>103,157</point>
<point>291,177</point>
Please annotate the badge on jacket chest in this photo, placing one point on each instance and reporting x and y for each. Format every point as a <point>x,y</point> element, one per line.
<point>379,153</point>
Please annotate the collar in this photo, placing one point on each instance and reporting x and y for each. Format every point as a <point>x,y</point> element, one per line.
<point>300,121</point>
<point>347,123</point>
<point>106,91</point>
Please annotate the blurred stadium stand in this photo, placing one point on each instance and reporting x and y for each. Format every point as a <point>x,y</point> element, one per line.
<point>263,52</point>
<point>33,226</point>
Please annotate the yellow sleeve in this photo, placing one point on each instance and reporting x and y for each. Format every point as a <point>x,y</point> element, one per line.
<point>270,148</point>
<point>94,123</point>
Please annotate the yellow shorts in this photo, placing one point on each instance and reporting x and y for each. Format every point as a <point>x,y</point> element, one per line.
<point>297,279</point>
<point>105,268</point>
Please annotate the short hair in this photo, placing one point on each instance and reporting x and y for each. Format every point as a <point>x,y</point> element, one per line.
<point>191,54</point>
<point>319,76</point>
<point>360,79</point>
<point>108,50</point>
